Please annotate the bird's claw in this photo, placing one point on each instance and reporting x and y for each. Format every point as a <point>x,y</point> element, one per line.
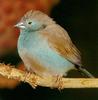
<point>58,82</point>
<point>31,82</point>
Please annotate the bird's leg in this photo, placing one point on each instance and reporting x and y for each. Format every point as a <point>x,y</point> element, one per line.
<point>27,76</point>
<point>58,82</point>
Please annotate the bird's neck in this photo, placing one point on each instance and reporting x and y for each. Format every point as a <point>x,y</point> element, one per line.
<point>27,37</point>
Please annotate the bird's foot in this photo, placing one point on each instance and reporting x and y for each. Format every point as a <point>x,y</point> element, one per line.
<point>58,82</point>
<point>27,78</point>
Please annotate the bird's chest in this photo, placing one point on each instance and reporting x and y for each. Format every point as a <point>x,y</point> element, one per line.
<point>27,40</point>
<point>36,48</point>
<point>33,44</point>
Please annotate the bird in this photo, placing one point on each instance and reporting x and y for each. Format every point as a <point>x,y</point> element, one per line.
<point>45,47</point>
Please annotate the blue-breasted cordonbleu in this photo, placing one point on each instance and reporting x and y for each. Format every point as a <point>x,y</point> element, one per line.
<point>46,48</point>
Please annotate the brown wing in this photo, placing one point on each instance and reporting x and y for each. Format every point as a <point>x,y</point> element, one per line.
<point>60,41</point>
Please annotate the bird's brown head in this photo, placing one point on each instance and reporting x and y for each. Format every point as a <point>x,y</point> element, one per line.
<point>34,20</point>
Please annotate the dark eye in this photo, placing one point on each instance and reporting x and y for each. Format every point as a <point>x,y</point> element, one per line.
<point>29,23</point>
<point>44,26</point>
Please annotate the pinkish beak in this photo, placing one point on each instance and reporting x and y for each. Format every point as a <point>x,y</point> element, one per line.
<point>20,25</point>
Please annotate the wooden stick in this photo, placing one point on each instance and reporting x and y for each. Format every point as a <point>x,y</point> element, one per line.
<point>34,80</point>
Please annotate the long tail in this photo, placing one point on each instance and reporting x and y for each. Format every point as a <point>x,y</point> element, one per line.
<point>84,71</point>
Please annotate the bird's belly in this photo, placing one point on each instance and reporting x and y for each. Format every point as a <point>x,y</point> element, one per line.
<point>50,59</point>
<point>47,58</point>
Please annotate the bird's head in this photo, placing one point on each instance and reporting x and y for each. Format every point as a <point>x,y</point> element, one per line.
<point>34,21</point>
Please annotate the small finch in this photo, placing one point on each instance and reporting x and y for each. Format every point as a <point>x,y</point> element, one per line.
<point>46,48</point>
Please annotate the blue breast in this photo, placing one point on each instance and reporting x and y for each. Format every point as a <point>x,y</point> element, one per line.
<point>39,49</point>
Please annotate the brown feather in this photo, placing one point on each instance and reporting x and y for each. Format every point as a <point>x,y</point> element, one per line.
<point>60,41</point>
<point>37,15</point>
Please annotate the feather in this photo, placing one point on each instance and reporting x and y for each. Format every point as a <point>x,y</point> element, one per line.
<point>60,41</point>
<point>38,16</point>
<point>27,15</point>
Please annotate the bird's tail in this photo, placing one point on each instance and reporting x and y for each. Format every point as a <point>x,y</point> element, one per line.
<point>84,71</point>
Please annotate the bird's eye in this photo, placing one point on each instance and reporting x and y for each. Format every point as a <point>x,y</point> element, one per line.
<point>29,23</point>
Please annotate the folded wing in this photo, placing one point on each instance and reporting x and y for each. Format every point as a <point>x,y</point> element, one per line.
<point>60,41</point>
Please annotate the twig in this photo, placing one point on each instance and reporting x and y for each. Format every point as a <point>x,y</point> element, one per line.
<point>34,80</point>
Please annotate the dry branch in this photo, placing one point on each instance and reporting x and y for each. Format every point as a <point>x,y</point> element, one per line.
<point>13,73</point>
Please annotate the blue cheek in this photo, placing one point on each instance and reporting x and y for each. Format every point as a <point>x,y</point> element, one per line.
<point>35,26</point>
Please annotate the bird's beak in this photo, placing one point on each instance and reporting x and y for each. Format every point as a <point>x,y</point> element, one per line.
<point>20,25</point>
